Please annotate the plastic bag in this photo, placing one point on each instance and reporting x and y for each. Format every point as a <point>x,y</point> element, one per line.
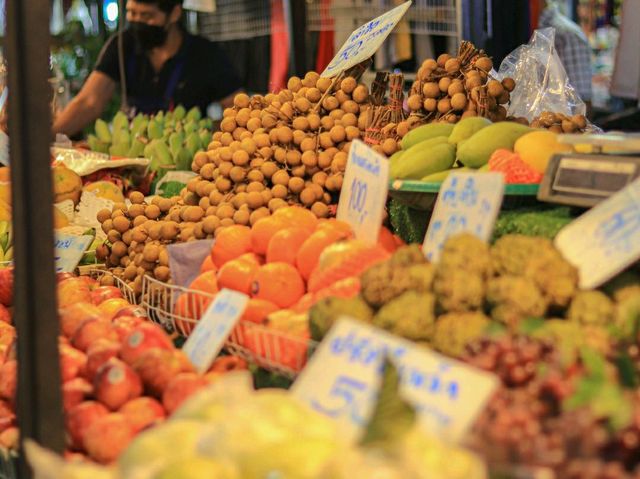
<point>542,83</point>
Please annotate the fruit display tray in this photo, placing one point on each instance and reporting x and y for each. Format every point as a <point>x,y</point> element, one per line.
<point>124,288</point>
<point>422,195</point>
<point>178,310</point>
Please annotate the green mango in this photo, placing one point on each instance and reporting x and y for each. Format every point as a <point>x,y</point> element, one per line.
<point>120,122</point>
<point>442,175</point>
<point>140,129</point>
<point>96,145</point>
<point>190,127</point>
<point>192,143</point>
<point>179,113</point>
<point>119,149</point>
<point>102,131</point>
<point>154,130</point>
<point>136,150</point>
<point>467,127</point>
<point>194,114</point>
<point>122,137</point>
<point>205,138</point>
<point>425,158</point>
<point>149,150</point>
<point>476,151</point>
<point>176,140</point>
<point>206,123</point>
<point>184,160</point>
<point>137,122</point>
<point>426,132</point>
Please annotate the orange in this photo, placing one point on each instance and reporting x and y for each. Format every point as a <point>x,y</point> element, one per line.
<point>305,303</point>
<point>284,245</point>
<point>232,242</point>
<point>263,231</point>
<point>279,283</point>
<point>258,309</point>
<point>298,216</point>
<point>336,225</point>
<point>388,240</point>
<point>310,251</point>
<point>207,265</point>
<point>206,282</point>
<point>191,304</point>
<point>252,258</point>
<point>237,274</point>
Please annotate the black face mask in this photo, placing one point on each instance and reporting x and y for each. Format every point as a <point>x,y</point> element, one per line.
<point>148,36</point>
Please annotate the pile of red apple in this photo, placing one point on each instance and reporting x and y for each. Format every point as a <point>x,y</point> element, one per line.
<point>120,373</point>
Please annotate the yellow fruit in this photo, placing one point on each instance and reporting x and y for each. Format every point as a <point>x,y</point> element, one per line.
<point>5,192</point>
<point>106,190</point>
<point>537,148</point>
<point>67,185</point>
<point>60,220</point>
<point>476,151</point>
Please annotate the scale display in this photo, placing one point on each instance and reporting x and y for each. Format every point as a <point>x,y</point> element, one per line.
<point>585,180</point>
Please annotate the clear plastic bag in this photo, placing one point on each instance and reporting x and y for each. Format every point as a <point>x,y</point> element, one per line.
<point>542,83</point>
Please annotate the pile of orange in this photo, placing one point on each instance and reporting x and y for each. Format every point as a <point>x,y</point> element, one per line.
<point>287,261</point>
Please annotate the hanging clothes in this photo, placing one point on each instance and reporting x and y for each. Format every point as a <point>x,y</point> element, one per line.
<point>511,27</point>
<point>326,37</point>
<point>534,13</point>
<point>279,47</point>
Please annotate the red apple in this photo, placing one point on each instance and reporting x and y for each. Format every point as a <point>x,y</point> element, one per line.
<point>60,277</point>
<point>226,364</point>
<point>180,388</point>
<point>98,354</point>
<point>6,286</point>
<point>74,392</point>
<point>116,383</point>
<point>71,291</point>
<point>90,282</point>
<point>107,437</point>
<point>143,337</point>
<point>72,363</point>
<point>157,367</point>
<point>72,316</point>
<point>142,412</point>
<point>123,325</point>
<point>131,310</point>
<point>8,380</point>
<point>103,293</point>
<point>5,315</point>
<point>92,330</point>
<point>111,306</point>
<point>9,438</point>
<point>80,418</point>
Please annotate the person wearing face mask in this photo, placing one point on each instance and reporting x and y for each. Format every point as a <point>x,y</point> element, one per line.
<point>164,67</point>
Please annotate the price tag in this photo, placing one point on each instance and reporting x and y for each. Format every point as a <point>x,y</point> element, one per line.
<point>210,334</point>
<point>205,6</point>
<point>467,202</point>
<point>342,379</point>
<point>364,41</point>
<point>364,191</point>
<point>606,239</point>
<point>69,250</point>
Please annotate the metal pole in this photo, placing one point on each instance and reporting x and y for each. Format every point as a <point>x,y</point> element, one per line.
<point>39,393</point>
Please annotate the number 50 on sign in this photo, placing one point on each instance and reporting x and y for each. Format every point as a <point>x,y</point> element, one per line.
<point>364,192</point>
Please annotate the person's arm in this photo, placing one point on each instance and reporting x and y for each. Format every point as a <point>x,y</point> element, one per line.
<point>87,106</point>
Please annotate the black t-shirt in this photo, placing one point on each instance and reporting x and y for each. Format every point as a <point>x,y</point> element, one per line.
<point>199,74</point>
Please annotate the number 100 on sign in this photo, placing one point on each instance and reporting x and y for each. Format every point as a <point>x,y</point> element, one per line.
<point>363,196</point>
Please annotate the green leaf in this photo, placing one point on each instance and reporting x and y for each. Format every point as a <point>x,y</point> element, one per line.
<point>594,362</point>
<point>392,417</point>
<point>531,325</point>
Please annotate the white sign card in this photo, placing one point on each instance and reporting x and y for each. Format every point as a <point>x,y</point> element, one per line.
<point>364,192</point>
<point>467,203</point>
<point>343,377</point>
<point>365,41</point>
<point>604,240</point>
<point>69,250</point>
<point>213,329</point>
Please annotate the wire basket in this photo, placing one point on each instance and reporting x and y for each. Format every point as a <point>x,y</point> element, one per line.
<point>125,289</point>
<point>178,310</point>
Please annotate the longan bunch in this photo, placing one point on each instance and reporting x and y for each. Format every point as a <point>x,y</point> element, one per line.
<point>452,88</point>
<point>560,123</point>
<point>137,236</point>
<point>279,149</point>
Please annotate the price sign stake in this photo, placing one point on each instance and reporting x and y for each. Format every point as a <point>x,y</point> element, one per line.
<point>364,191</point>
<point>343,377</point>
<point>467,203</point>
<point>606,239</point>
<point>69,250</point>
<point>213,329</point>
<point>365,41</point>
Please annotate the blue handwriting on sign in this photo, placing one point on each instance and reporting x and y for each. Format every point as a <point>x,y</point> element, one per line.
<point>364,163</point>
<point>619,233</point>
<point>347,396</point>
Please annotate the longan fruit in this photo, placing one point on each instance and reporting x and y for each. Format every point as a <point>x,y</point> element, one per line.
<point>116,213</point>
<point>153,211</point>
<point>139,220</point>
<point>296,185</point>
<point>308,144</point>
<point>254,200</point>
<point>223,185</point>
<point>330,103</point>
<point>320,209</point>
<point>280,191</point>
<point>130,272</point>
<point>255,186</point>
<point>169,230</point>
<point>265,152</point>
<point>325,140</point>
<point>442,59</point>
<point>334,183</point>
<point>456,87</point>
<point>300,123</point>
<point>324,159</point>
<point>495,88</point>
<point>349,119</point>
<point>255,175</point>
<point>119,248</point>
<point>341,96</point>
<point>121,224</point>
<point>266,195</point>
<point>452,66</point>
<point>285,135</point>
<point>268,168</point>
<point>215,197</point>
<point>249,145</point>
<point>323,84</point>
<point>238,132</point>
<point>468,114</point>
<point>504,98</point>
<point>225,211</point>
<point>238,200</point>
<point>104,215</point>
<point>237,174</point>
<point>258,215</point>
<point>207,171</point>
<point>309,158</point>
<point>227,125</point>
<point>240,158</point>
<point>327,122</point>
<point>317,189</point>
<point>473,82</point>
<point>430,104</point>
<point>337,134</point>
<point>389,146</point>
<point>280,155</point>
<point>319,178</point>
<point>302,104</point>
<point>241,100</point>
<point>139,234</point>
<point>209,224</point>
<point>294,84</point>
<point>313,94</point>
<point>444,105</point>
<point>352,132</point>
<point>225,168</point>
<point>193,214</point>
<point>281,177</point>
<point>348,85</point>
<point>161,273</point>
<point>293,158</point>
<point>444,84</point>
<point>431,90</point>
<point>191,199</point>
<point>414,102</point>
<point>509,84</point>
<point>314,121</point>
<point>287,110</point>
<point>240,217</point>
<point>360,94</point>
<point>269,120</point>
<point>458,101</point>
<point>336,116</point>
<point>276,203</point>
<point>136,197</point>
<point>151,252</point>
<point>261,140</point>
<point>298,136</point>
<point>307,196</point>
<point>484,63</point>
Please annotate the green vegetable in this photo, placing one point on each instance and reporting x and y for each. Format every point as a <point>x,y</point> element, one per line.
<point>170,188</point>
<point>532,222</point>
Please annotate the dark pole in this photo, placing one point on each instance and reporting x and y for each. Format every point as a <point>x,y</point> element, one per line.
<point>39,393</point>
<point>298,31</point>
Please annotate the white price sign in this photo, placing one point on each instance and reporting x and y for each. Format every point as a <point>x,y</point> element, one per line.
<point>467,203</point>
<point>343,377</point>
<point>364,191</point>
<point>365,41</point>
<point>69,250</point>
<point>606,239</point>
<point>213,329</point>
